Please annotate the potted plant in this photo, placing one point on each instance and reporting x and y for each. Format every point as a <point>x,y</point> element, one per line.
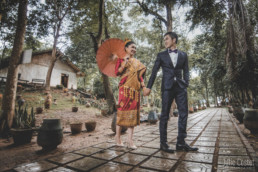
<point>90,125</point>
<point>48,101</point>
<point>60,87</point>
<point>104,109</point>
<point>195,108</point>
<point>40,108</point>
<point>75,107</point>
<point>152,116</point>
<point>191,109</point>
<point>76,127</point>
<point>23,124</point>
<point>19,88</point>
<point>65,90</point>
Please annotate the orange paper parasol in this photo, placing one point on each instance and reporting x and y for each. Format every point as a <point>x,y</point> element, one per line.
<point>105,55</point>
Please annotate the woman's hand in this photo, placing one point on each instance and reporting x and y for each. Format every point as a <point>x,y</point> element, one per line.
<point>125,61</point>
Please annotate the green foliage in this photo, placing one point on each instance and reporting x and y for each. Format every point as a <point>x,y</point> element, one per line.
<point>40,101</point>
<point>23,119</point>
<point>98,88</point>
<point>60,87</point>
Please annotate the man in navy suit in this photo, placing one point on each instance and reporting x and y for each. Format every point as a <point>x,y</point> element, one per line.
<point>174,64</point>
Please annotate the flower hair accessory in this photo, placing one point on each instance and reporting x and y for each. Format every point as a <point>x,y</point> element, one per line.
<point>127,40</point>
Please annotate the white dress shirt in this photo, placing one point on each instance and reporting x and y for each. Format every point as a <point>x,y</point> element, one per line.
<point>174,57</point>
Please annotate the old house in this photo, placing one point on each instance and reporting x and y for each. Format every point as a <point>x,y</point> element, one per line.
<point>34,67</point>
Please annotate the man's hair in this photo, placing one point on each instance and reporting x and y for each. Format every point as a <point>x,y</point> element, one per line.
<point>172,35</point>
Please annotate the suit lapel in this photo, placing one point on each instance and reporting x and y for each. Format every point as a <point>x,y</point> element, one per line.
<point>169,59</point>
<point>179,58</point>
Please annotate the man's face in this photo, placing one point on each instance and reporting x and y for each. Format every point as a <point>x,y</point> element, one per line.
<point>169,42</point>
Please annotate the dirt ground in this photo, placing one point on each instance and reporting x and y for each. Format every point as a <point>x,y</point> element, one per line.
<point>11,156</point>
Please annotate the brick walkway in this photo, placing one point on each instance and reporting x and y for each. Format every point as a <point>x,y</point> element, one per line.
<point>222,147</point>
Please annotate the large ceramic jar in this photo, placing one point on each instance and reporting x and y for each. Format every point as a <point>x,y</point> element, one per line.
<point>50,134</point>
<point>238,113</point>
<point>251,120</point>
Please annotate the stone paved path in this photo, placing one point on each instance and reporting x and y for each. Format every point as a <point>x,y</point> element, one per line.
<point>221,148</point>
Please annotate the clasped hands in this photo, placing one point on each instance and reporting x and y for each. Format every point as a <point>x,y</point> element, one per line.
<point>146,91</point>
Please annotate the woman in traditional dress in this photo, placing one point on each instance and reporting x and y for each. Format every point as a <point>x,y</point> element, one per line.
<point>131,72</point>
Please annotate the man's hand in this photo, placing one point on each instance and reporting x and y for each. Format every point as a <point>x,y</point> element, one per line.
<point>146,92</point>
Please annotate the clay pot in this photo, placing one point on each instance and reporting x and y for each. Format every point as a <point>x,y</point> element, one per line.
<point>191,110</point>
<point>113,125</point>
<point>76,128</point>
<point>104,112</point>
<point>50,134</point>
<point>251,120</point>
<point>90,125</point>
<point>75,109</point>
<point>87,105</point>
<point>21,136</point>
<point>238,113</point>
<point>195,109</point>
<point>39,110</point>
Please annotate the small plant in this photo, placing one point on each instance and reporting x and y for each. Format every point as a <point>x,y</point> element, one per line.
<point>65,90</point>
<point>39,108</point>
<point>19,88</point>
<point>59,87</point>
<point>75,107</point>
<point>23,119</point>
<point>48,101</point>
<point>40,102</point>
<point>74,99</point>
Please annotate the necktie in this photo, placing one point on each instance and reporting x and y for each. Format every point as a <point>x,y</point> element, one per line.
<point>172,51</point>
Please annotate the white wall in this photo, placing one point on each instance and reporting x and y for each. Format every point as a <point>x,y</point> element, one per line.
<point>3,72</point>
<point>34,71</point>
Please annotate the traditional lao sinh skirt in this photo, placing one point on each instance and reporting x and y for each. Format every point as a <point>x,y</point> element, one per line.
<point>128,113</point>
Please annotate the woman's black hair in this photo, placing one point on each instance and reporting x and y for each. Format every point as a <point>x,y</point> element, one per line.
<point>129,43</point>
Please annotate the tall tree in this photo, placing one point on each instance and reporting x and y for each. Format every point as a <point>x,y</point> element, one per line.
<point>97,43</point>
<point>156,8</point>
<point>8,103</point>
<point>58,10</point>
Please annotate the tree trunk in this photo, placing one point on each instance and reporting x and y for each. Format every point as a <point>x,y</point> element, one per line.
<point>169,17</point>
<point>49,73</point>
<point>97,42</point>
<point>109,94</point>
<point>8,104</point>
<point>207,96</point>
<point>53,57</point>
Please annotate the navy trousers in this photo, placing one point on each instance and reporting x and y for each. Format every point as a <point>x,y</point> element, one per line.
<point>180,94</point>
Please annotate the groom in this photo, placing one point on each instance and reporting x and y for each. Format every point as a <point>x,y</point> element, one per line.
<point>174,85</point>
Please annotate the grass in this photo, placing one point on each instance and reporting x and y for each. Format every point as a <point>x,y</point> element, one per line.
<point>37,98</point>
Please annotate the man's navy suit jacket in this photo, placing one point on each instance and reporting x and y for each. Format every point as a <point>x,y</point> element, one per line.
<point>169,71</point>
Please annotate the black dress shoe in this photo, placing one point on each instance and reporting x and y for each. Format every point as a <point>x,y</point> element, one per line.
<point>185,147</point>
<point>166,148</point>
